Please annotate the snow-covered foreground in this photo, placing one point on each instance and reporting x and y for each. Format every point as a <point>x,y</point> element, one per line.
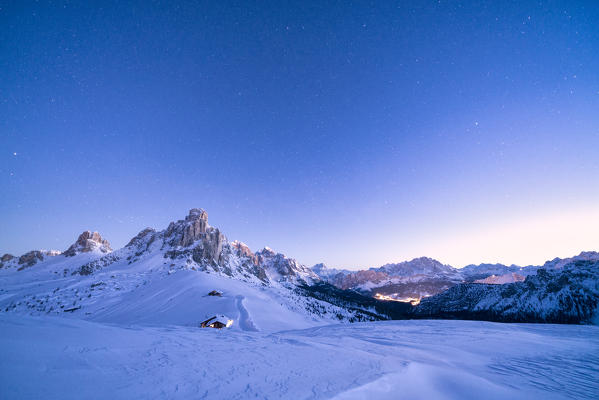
<point>61,358</point>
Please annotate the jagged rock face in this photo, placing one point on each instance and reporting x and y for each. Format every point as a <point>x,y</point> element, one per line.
<point>191,243</point>
<point>195,242</point>
<point>283,268</point>
<point>242,250</point>
<point>86,242</point>
<point>208,242</point>
<point>141,242</point>
<point>185,232</point>
<point>210,248</point>
<point>265,254</point>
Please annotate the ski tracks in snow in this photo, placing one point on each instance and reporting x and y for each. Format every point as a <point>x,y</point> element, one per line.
<point>245,321</point>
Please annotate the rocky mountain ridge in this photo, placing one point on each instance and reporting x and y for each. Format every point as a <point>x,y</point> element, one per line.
<point>87,242</point>
<point>89,276</point>
<point>568,293</point>
<point>191,243</point>
<point>166,275</point>
<point>424,276</point>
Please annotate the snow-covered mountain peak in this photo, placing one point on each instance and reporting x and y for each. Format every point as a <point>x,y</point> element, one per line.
<point>141,238</point>
<point>191,243</point>
<point>321,270</point>
<point>417,266</point>
<point>279,267</point>
<point>88,241</point>
<point>167,276</point>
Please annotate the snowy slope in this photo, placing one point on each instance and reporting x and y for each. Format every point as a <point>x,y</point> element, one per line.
<point>57,358</point>
<point>164,277</point>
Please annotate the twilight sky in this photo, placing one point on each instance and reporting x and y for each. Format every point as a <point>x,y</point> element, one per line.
<point>350,133</point>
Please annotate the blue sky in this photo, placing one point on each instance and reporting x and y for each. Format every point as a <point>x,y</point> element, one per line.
<point>350,133</point>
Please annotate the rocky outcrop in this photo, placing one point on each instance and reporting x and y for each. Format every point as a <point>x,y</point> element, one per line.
<point>193,241</point>
<point>5,259</point>
<point>31,258</point>
<point>142,238</point>
<point>184,232</point>
<point>242,250</point>
<point>210,247</point>
<point>27,260</point>
<point>86,242</point>
<point>281,268</point>
<point>194,236</point>
<point>94,265</point>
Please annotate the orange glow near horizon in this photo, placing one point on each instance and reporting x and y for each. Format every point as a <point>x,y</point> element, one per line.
<point>412,300</point>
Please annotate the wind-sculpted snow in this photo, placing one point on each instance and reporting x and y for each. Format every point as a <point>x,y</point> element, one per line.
<point>57,358</point>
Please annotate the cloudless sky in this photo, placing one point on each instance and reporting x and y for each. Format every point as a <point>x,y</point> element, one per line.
<point>349,133</point>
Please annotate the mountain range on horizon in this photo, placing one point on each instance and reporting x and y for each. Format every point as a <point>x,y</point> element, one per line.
<point>181,263</point>
<point>406,280</point>
<point>89,240</point>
